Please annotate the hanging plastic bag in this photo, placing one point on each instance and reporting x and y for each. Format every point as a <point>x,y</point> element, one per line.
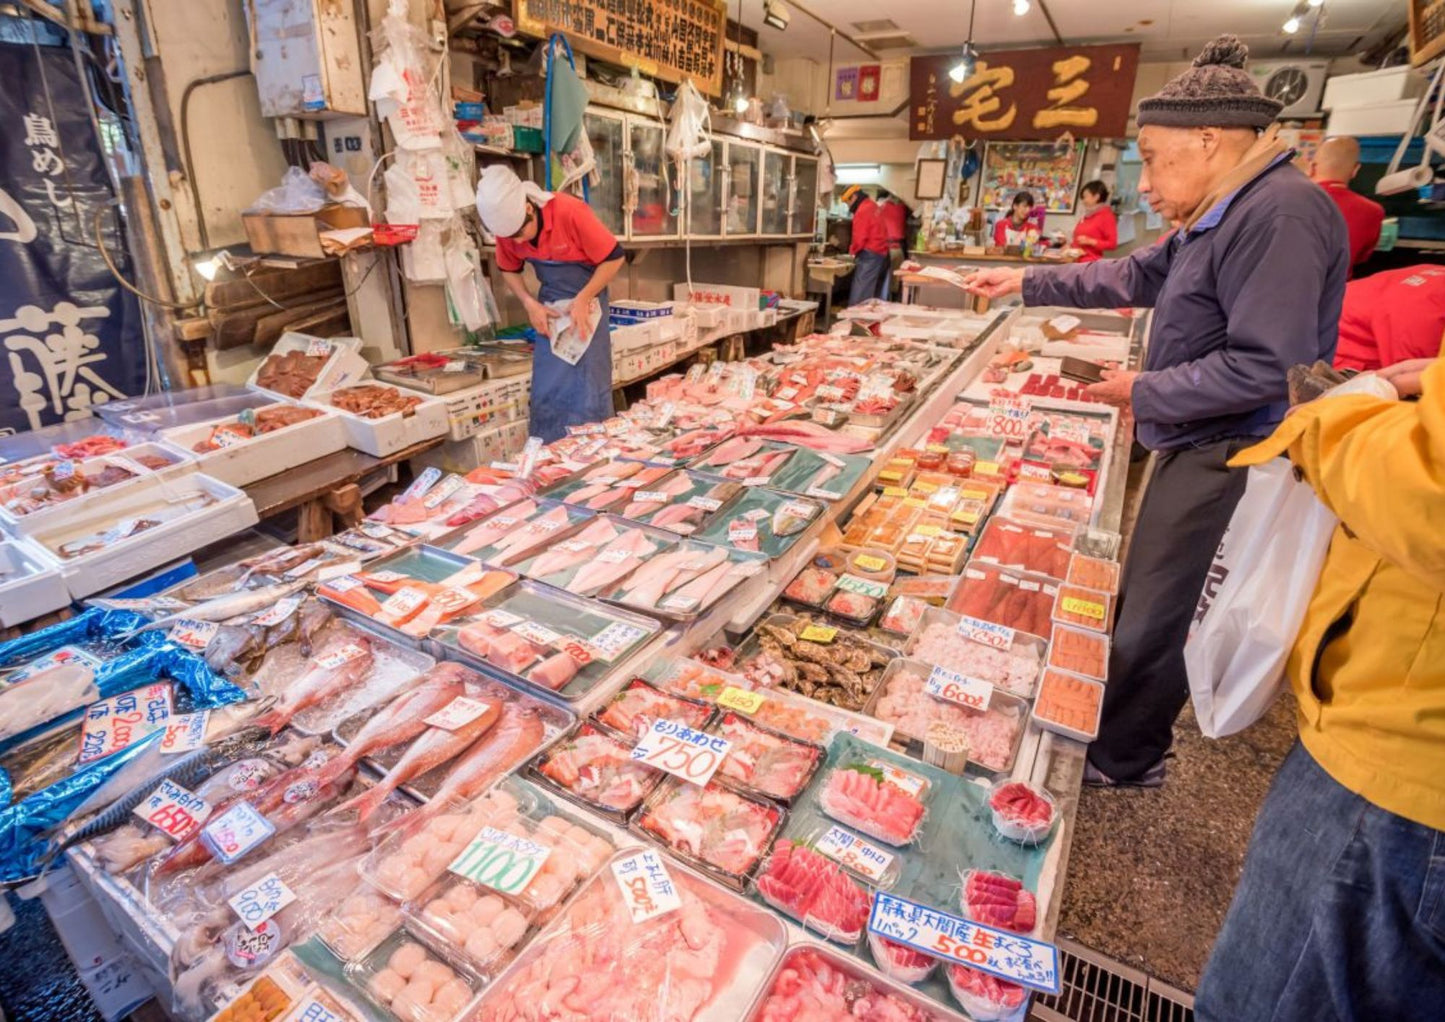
<point>404,82</point>
<point>469,299</point>
<point>689,132</point>
<point>297,193</point>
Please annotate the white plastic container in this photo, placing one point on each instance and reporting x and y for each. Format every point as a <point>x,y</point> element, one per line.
<point>343,366</point>
<point>24,524</point>
<point>389,433</point>
<point>89,573</point>
<point>31,585</point>
<point>1395,117</point>
<point>266,455</point>
<point>1388,85</point>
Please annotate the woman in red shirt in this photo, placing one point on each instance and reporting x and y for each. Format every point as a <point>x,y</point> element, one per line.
<point>1097,232</point>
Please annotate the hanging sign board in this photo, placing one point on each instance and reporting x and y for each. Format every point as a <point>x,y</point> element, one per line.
<point>669,39</point>
<point>1025,94</point>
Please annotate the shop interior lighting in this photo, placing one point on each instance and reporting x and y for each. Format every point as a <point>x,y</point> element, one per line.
<point>1291,25</point>
<point>962,69</point>
<point>859,173</point>
<point>1021,7</point>
<point>1316,3</point>
<point>775,15</point>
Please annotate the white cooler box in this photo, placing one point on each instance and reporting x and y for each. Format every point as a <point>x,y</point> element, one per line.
<point>139,552</point>
<point>261,457</point>
<point>30,586</point>
<point>23,524</point>
<point>343,366</point>
<point>389,433</point>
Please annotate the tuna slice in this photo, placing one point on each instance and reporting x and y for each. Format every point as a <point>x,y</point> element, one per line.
<point>815,891</point>
<point>860,798</point>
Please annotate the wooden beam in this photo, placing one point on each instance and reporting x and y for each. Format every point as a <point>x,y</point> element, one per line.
<point>235,327</point>
<point>278,284</point>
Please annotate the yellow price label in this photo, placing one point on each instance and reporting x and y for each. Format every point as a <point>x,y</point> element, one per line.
<point>916,502</point>
<point>1085,608</point>
<point>739,699</point>
<point>925,488</point>
<point>894,491</point>
<point>979,494</point>
<point>927,530</point>
<point>819,633</point>
<point>966,517</point>
<point>988,468</point>
<point>936,449</point>
<point>870,563</point>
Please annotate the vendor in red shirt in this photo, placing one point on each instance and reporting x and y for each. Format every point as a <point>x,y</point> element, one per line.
<point>869,247</point>
<point>574,257</point>
<point>1097,232</point>
<point>1335,164</point>
<point>1392,317</point>
<point>1013,229</point>
<point>895,225</point>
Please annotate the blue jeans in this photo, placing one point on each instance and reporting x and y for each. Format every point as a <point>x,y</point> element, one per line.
<point>1339,916</point>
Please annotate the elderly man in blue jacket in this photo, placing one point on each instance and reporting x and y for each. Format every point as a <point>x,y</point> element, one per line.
<point>1250,285</point>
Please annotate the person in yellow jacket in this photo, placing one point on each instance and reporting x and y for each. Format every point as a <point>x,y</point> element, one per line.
<point>1340,912</point>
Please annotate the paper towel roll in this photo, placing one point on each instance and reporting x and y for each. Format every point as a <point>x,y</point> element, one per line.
<point>1405,180</point>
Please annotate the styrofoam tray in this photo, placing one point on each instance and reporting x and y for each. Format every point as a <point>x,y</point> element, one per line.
<point>31,585</point>
<point>344,366</point>
<point>268,454</point>
<point>390,433</point>
<point>136,554</point>
<point>18,524</point>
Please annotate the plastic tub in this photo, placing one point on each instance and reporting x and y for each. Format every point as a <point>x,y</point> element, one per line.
<point>1014,806</point>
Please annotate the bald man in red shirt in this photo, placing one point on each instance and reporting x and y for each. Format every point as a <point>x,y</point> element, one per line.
<point>1335,164</point>
<point>1392,317</point>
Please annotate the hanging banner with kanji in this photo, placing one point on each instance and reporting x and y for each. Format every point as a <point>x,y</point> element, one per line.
<point>1025,94</point>
<point>70,337</point>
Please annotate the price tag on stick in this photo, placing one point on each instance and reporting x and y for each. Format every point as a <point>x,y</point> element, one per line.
<point>647,888</point>
<point>173,810</point>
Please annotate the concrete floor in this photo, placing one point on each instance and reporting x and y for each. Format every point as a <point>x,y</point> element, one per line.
<point>1151,873</point>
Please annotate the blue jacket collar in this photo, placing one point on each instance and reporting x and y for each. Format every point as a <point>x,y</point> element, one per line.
<point>1212,218</point>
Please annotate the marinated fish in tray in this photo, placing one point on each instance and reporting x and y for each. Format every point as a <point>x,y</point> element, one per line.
<point>599,769</point>
<point>842,672</point>
<point>372,401</point>
<point>712,826</point>
<point>155,517</point>
<point>992,734</point>
<point>767,763</point>
<point>815,891</point>
<point>815,986</point>
<point>633,710</point>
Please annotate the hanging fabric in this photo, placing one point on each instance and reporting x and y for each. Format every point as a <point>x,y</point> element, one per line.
<point>563,125</point>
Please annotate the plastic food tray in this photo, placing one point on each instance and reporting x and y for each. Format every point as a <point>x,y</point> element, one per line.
<point>932,615</point>
<point>394,667</point>
<point>261,457</point>
<point>1049,724</point>
<point>24,524</point>
<point>134,555</point>
<point>29,586</point>
<point>344,365</point>
<point>390,433</point>
<point>927,1010</point>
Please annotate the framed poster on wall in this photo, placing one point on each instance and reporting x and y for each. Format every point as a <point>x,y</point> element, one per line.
<point>1051,172</point>
<point>930,179</point>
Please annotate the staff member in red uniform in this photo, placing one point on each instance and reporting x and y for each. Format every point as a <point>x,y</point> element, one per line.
<point>1014,228</point>
<point>1097,232</point>
<point>574,257</point>
<point>869,247</point>
<point>1335,164</point>
<point>895,226</point>
<point>1392,317</point>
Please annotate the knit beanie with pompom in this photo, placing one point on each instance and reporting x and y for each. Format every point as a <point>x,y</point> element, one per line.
<point>1216,92</point>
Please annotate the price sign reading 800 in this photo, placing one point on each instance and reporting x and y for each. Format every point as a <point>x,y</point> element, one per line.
<point>682,751</point>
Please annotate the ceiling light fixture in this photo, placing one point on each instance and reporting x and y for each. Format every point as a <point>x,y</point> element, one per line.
<point>775,15</point>
<point>962,69</point>
<point>1291,26</point>
<point>1317,3</point>
<point>1021,7</point>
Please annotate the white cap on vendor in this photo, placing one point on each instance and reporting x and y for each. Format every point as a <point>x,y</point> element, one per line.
<point>502,200</point>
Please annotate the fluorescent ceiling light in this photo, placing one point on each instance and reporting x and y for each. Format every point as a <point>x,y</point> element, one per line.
<point>775,15</point>
<point>1292,25</point>
<point>858,173</point>
<point>1021,7</point>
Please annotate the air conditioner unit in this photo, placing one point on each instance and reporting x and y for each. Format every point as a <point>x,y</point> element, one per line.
<point>1298,84</point>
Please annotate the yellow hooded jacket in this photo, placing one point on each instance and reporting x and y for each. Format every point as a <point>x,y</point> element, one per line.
<point>1368,667</point>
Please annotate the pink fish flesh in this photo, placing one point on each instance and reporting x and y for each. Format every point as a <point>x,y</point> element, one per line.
<point>492,530</point>
<point>612,563</point>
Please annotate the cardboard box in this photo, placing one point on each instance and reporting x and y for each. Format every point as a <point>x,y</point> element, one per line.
<point>298,234</point>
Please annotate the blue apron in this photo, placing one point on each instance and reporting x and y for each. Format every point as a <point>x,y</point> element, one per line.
<point>566,395</point>
<point>870,274</point>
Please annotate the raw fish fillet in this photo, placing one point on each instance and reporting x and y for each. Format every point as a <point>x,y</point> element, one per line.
<point>555,672</point>
<point>815,891</point>
<point>674,486</point>
<point>612,563</point>
<point>899,961</point>
<point>576,550</point>
<point>537,532</point>
<point>661,575</point>
<point>505,649</point>
<point>633,710</point>
<point>729,451</point>
<point>859,797</point>
<point>492,530</point>
<point>999,901</point>
<point>810,988</point>
<point>713,825</point>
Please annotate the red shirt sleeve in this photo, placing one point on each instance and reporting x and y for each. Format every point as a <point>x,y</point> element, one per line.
<point>508,261</point>
<point>1000,237</point>
<point>585,231</point>
<point>1108,231</point>
<point>895,220</point>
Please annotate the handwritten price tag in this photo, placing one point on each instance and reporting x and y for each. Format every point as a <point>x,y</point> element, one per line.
<point>185,733</point>
<point>741,700</point>
<point>704,503</point>
<point>262,900</point>
<point>111,725</point>
<point>974,693</point>
<point>986,632</point>
<point>404,601</point>
<point>740,531</point>
<point>318,347</point>
<point>501,860</point>
<point>1009,956</point>
<point>458,713</point>
<point>429,478</point>
<point>901,779</point>
<point>173,810</point>
<point>650,497</point>
<point>194,634</point>
<point>616,639</point>
<point>435,498</point>
<point>502,618</point>
<point>863,587</point>
<point>682,751</point>
<point>647,888</point>
<point>1008,416</point>
<point>849,850</point>
<point>236,831</point>
<point>283,608</point>
<point>538,633</point>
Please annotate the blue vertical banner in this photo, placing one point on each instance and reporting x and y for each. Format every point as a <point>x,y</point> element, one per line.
<point>70,336</point>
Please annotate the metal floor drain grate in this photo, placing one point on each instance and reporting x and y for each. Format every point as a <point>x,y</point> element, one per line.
<point>1098,989</point>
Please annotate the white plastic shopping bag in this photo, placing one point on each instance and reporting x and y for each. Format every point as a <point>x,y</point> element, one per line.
<point>1254,599</point>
